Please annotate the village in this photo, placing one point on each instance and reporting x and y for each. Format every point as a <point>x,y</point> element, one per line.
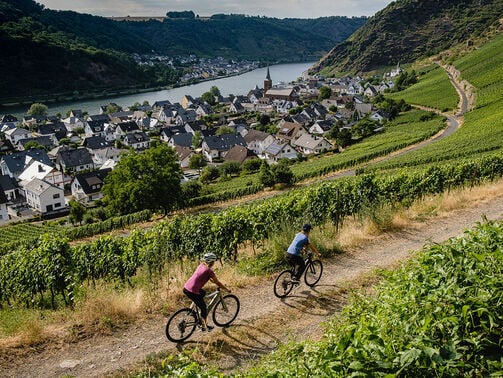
<point>47,160</point>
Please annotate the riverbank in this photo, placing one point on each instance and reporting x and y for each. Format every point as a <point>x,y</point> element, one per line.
<point>236,83</point>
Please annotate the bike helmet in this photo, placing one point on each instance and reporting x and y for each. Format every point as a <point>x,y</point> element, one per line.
<point>306,227</point>
<point>209,257</point>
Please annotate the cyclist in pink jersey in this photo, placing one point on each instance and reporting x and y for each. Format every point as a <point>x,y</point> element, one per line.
<point>193,288</point>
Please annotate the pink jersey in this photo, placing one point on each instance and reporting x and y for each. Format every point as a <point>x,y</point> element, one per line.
<point>202,274</point>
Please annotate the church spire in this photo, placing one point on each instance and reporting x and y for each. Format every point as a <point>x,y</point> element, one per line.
<point>267,81</point>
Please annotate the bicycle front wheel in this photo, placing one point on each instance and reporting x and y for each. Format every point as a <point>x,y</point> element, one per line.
<point>226,310</point>
<point>181,325</point>
<point>283,284</point>
<point>313,273</point>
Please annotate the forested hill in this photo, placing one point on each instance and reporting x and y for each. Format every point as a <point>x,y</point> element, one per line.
<point>47,51</point>
<point>407,30</point>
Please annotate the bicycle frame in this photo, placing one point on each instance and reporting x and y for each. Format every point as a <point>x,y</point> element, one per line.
<point>213,299</point>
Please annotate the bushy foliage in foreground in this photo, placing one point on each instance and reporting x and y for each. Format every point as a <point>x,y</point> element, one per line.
<point>439,315</point>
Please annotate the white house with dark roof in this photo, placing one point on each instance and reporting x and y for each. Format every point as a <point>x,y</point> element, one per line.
<point>74,160</point>
<point>44,197</point>
<point>124,128</point>
<point>46,173</point>
<point>86,187</point>
<point>10,187</point>
<point>138,140</point>
<point>216,147</point>
<point>16,134</point>
<point>95,127</point>
<point>14,164</point>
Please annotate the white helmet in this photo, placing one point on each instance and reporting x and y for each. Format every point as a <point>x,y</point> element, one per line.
<point>209,257</point>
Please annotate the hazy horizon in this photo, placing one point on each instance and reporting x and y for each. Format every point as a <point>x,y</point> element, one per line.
<point>288,9</point>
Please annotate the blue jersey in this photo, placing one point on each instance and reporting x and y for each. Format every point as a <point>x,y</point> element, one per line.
<point>299,242</point>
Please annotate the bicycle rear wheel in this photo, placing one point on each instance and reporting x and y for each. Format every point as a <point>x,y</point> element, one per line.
<point>313,273</point>
<point>226,310</point>
<point>181,325</point>
<point>283,284</point>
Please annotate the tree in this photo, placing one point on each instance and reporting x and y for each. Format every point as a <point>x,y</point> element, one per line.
<point>264,119</point>
<point>197,161</point>
<point>344,138</point>
<point>208,174</point>
<point>38,109</point>
<point>325,92</point>
<point>190,189</point>
<point>224,130</point>
<point>229,168</point>
<point>265,176</point>
<point>251,165</point>
<point>282,172</point>
<point>197,139</point>
<point>215,92</point>
<point>77,211</point>
<point>150,180</point>
<point>208,97</point>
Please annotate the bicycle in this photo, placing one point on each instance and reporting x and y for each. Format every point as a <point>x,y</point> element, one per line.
<point>182,324</point>
<point>284,283</point>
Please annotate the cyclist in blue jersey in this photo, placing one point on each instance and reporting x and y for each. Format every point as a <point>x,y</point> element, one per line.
<point>294,251</point>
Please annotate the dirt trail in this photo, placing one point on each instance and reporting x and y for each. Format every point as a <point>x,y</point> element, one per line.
<point>260,326</point>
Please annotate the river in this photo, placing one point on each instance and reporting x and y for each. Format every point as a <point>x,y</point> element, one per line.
<point>236,85</point>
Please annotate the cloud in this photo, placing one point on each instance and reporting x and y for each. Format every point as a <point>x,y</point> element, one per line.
<point>284,9</point>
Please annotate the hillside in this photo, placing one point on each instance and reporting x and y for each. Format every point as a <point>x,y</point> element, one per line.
<point>407,30</point>
<point>64,52</point>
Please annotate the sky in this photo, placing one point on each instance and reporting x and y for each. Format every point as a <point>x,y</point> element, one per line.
<point>278,9</point>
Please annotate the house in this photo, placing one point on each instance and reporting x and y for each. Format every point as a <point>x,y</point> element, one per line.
<point>101,150</point>
<point>216,147</point>
<point>121,116</point>
<point>161,104</point>
<point>258,141</point>
<point>15,163</point>
<point>138,140</point>
<point>72,123</point>
<point>184,155</point>
<point>379,116</point>
<point>4,215</point>
<point>46,173</point>
<point>363,109</point>
<point>236,108</point>
<point>289,131</point>
<point>278,151</point>
<point>168,132</point>
<point>16,134</point>
<point>187,101</point>
<point>75,160</point>
<point>321,127</point>
<point>193,127</point>
<point>309,144</point>
<point>181,140</point>
<point>288,94</point>
<point>95,127</point>
<point>86,187</point>
<point>204,109</point>
<point>5,147</point>
<point>124,128</point>
<point>55,131</point>
<point>239,154</point>
<point>10,187</point>
<point>43,196</point>
<point>9,118</point>
<point>184,116</point>
<point>370,91</point>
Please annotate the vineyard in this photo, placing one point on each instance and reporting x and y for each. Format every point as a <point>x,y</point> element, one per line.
<point>438,315</point>
<point>482,131</point>
<point>434,90</point>
<point>52,269</point>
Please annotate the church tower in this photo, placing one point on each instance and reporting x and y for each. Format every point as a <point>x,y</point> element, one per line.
<point>267,82</point>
